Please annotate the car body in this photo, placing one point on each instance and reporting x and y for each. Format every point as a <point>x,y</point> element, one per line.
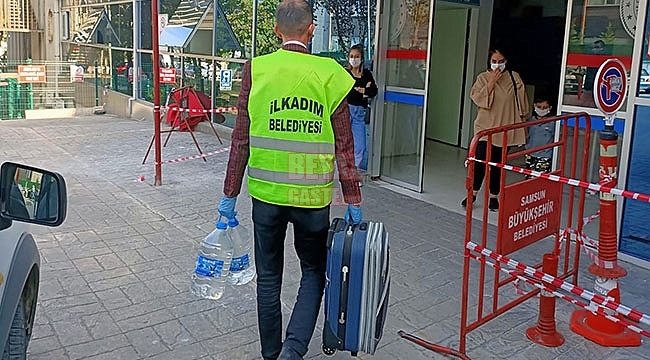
<point>187,74</point>
<point>28,195</point>
<point>571,84</point>
<point>122,68</point>
<point>644,82</point>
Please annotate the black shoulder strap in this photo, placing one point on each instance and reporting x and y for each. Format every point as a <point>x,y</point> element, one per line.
<point>514,87</point>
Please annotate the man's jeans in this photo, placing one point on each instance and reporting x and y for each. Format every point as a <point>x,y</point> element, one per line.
<point>310,237</point>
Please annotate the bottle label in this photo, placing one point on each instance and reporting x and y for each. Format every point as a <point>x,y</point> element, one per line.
<point>208,267</point>
<point>239,263</point>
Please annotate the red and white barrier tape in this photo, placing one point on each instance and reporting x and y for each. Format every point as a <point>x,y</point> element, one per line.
<point>588,219</point>
<point>569,181</point>
<point>517,284</point>
<point>605,179</point>
<point>597,310</point>
<point>201,111</point>
<point>584,241</point>
<point>607,302</point>
<point>185,158</point>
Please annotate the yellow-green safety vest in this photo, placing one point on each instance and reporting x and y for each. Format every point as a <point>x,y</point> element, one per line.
<point>292,97</point>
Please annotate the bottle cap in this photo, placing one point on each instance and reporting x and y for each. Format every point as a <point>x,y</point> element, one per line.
<point>221,225</point>
<point>233,222</point>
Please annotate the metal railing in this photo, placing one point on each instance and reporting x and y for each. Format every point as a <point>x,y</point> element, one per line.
<point>17,15</point>
<point>36,85</point>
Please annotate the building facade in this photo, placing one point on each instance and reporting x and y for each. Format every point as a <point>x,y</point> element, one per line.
<point>427,54</point>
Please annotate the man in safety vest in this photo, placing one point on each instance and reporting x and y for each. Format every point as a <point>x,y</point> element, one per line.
<point>293,123</point>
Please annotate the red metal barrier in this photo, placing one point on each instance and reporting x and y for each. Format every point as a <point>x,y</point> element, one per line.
<point>530,210</point>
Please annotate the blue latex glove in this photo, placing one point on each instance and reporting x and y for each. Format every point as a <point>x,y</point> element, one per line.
<point>227,207</point>
<point>353,214</point>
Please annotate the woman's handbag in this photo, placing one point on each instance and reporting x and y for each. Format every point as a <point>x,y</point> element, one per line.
<point>514,86</point>
<point>366,119</point>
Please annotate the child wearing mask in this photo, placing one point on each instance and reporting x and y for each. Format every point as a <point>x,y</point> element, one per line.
<point>538,135</point>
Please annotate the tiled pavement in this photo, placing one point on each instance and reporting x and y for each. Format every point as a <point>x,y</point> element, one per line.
<point>114,277</point>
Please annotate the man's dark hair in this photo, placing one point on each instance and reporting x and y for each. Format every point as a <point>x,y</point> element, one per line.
<point>293,17</point>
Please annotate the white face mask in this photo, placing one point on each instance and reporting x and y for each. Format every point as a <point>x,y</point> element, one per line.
<point>354,62</point>
<point>542,112</point>
<point>498,66</point>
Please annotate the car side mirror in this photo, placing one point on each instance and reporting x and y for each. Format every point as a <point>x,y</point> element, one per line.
<point>32,195</point>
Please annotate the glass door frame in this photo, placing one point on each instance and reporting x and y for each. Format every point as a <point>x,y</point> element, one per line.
<point>382,38</point>
<point>376,117</point>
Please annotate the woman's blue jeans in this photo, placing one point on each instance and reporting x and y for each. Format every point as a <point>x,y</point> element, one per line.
<point>358,116</point>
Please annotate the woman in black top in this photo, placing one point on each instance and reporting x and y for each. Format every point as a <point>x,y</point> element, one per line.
<point>364,88</point>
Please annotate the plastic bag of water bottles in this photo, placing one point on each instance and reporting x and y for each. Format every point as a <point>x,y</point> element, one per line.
<point>242,265</point>
<point>213,263</point>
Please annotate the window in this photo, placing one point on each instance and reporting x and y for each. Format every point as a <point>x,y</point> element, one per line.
<point>597,32</point>
<point>603,2</point>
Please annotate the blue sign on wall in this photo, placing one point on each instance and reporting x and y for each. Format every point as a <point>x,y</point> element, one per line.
<point>225,79</point>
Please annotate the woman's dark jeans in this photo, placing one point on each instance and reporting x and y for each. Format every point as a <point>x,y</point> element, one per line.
<point>479,168</point>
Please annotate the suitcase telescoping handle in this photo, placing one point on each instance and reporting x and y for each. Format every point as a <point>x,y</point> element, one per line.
<point>349,226</point>
<point>363,225</point>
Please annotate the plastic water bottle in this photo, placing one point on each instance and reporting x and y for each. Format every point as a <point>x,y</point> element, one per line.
<point>242,266</point>
<point>212,264</point>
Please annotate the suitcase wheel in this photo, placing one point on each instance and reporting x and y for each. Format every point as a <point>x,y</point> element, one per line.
<point>328,351</point>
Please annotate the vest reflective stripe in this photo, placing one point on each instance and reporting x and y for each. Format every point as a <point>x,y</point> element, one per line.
<point>292,98</point>
<point>291,146</point>
<point>296,179</point>
<point>292,168</point>
<point>292,195</point>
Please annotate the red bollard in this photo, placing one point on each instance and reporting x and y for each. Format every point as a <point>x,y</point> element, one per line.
<point>607,238</point>
<point>594,327</point>
<point>545,332</point>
